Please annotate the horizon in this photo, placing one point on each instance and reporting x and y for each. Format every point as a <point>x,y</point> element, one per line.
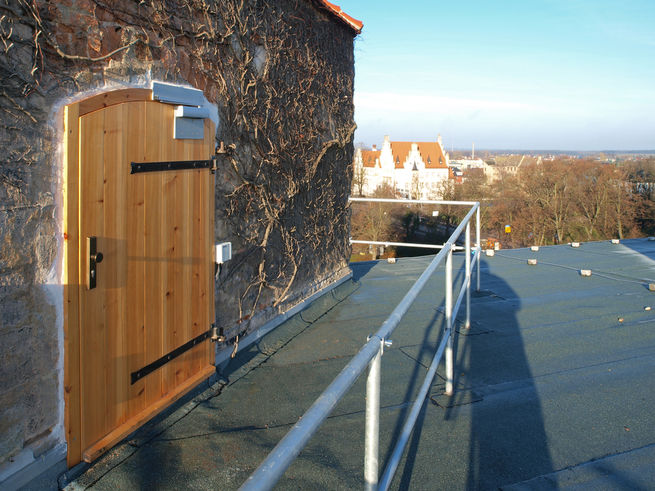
<point>524,150</point>
<point>573,75</point>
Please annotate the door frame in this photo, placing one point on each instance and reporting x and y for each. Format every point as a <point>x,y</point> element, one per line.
<point>73,277</point>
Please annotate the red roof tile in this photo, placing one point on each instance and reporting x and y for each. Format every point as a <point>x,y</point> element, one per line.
<point>355,25</point>
<point>428,150</point>
<point>369,157</point>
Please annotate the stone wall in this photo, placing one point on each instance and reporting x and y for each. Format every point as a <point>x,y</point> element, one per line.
<point>281,74</point>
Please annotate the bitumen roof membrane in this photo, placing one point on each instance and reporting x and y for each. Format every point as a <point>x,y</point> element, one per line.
<point>554,384</point>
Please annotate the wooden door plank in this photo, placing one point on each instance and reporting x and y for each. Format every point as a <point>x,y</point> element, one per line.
<point>114,265</point>
<point>93,327</point>
<point>175,300</point>
<point>107,99</point>
<point>136,256</point>
<point>168,241</point>
<point>198,319</point>
<point>155,248</point>
<point>185,332</point>
<point>71,281</point>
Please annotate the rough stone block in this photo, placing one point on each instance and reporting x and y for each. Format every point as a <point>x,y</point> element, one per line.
<point>12,428</point>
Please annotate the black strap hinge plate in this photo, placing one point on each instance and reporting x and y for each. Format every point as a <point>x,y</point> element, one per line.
<point>138,167</point>
<point>139,374</point>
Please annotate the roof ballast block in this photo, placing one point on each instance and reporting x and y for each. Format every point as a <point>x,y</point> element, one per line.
<point>534,248</point>
<point>651,287</point>
<point>532,262</point>
<point>575,244</point>
<point>489,252</point>
<point>585,272</point>
<point>615,241</point>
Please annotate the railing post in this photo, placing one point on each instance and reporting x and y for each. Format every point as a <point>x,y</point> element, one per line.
<point>467,277</point>
<point>479,246</point>
<point>449,321</point>
<point>372,434</point>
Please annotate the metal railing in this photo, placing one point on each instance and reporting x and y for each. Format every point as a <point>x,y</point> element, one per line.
<point>370,355</point>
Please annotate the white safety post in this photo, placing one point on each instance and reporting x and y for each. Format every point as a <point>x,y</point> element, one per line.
<point>449,322</point>
<point>467,276</point>
<point>372,435</point>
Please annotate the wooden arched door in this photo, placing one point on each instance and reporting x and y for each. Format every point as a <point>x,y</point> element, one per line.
<point>145,306</point>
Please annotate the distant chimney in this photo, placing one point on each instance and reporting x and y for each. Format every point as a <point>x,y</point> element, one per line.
<point>374,148</point>
<point>439,139</point>
<point>473,151</point>
<point>386,138</point>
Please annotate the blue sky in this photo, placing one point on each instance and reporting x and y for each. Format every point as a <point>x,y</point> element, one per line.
<point>529,74</point>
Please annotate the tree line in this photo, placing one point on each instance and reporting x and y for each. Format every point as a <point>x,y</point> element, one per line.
<point>554,202</point>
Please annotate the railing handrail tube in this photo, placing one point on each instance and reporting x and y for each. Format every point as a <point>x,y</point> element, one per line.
<point>402,244</point>
<point>401,309</point>
<point>287,449</point>
<point>416,201</point>
<point>285,452</point>
<point>394,460</point>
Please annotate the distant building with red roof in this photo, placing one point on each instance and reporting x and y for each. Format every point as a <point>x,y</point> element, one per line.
<point>414,170</point>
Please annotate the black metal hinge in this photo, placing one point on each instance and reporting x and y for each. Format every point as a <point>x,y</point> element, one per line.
<point>139,374</point>
<point>138,167</point>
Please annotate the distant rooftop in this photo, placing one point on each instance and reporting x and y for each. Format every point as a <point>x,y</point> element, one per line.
<point>554,384</point>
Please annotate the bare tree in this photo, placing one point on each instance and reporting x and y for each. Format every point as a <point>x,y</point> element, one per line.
<point>359,179</point>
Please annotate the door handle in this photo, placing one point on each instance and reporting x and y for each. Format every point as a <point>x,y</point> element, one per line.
<point>95,257</point>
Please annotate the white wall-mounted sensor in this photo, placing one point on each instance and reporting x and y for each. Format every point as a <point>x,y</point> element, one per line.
<point>223,252</point>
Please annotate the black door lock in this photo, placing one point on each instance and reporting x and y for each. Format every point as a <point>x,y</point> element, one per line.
<point>95,257</point>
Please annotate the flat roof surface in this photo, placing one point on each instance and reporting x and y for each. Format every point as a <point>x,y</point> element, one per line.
<point>555,385</point>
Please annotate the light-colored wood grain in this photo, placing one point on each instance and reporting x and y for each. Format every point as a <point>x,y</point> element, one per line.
<point>185,236</point>
<point>198,317</point>
<point>136,257</point>
<point>113,269</point>
<point>173,294</point>
<point>71,281</point>
<point>156,219</point>
<point>107,99</point>
<point>93,340</point>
